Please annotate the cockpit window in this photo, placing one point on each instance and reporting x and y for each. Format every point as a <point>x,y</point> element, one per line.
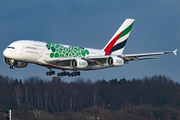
<point>11,47</point>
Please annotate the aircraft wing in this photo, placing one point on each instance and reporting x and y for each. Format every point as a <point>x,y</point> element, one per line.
<point>143,56</point>
<point>66,61</point>
<point>100,60</point>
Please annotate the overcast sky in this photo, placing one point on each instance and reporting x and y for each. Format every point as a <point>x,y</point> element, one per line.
<point>91,23</point>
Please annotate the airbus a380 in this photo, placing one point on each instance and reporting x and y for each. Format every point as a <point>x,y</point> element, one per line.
<point>19,53</point>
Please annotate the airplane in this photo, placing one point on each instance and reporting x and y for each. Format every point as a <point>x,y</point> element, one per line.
<point>66,57</point>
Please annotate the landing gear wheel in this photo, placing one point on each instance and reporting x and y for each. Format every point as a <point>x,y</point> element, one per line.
<point>64,73</point>
<point>50,72</point>
<point>47,73</point>
<point>78,73</point>
<point>69,74</point>
<point>53,72</point>
<point>11,67</point>
<point>72,74</point>
<point>75,73</point>
<point>59,74</point>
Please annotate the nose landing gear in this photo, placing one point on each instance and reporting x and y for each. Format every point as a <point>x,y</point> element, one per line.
<point>12,64</point>
<point>11,67</point>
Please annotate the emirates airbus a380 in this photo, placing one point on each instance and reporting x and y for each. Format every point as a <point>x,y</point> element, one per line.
<point>19,53</point>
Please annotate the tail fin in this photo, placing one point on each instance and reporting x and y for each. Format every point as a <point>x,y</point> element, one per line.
<point>118,41</point>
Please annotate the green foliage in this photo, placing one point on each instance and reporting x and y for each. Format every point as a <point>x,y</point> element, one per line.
<point>8,104</point>
<point>164,100</point>
<point>159,114</point>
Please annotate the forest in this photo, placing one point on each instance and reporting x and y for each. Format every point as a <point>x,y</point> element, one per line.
<point>150,98</point>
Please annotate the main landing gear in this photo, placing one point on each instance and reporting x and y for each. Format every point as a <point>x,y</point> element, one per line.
<point>63,73</point>
<point>50,72</point>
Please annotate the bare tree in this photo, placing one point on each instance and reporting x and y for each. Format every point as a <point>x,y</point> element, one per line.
<point>46,99</point>
<point>26,89</point>
<point>95,96</point>
<point>17,94</point>
<point>35,112</point>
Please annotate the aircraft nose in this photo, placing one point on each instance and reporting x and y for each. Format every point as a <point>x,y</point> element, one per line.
<point>6,53</point>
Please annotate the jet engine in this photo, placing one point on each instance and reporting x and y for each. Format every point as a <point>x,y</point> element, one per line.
<point>7,61</point>
<point>15,63</point>
<point>21,64</point>
<point>115,61</point>
<point>78,63</point>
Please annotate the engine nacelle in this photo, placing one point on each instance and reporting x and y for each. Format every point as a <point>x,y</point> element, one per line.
<point>115,61</point>
<point>78,63</point>
<point>7,61</point>
<point>20,64</point>
<point>16,64</point>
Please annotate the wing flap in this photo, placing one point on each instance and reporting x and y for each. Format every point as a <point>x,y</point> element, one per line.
<point>144,58</point>
<point>98,60</point>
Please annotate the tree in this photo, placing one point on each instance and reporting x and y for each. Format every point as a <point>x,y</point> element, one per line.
<point>17,93</point>
<point>159,114</point>
<point>8,104</point>
<point>95,96</point>
<point>30,100</point>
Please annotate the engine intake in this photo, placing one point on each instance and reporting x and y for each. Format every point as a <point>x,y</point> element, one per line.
<point>15,63</point>
<point>7,61</point>
<point>115,61</point>
<point>78,63</point>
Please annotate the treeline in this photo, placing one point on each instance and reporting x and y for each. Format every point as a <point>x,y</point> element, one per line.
<point>32,96</point>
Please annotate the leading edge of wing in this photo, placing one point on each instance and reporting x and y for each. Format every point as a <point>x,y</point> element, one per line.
<point>135,56</point>
<point>150,54</point>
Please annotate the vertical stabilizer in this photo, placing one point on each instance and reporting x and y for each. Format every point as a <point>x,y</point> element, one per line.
<point>117,43</point>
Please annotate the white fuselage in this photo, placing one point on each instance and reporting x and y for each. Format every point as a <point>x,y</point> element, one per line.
<point>35,51</point>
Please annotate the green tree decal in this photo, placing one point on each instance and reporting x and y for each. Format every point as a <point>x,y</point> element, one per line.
<point>58,50</point>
